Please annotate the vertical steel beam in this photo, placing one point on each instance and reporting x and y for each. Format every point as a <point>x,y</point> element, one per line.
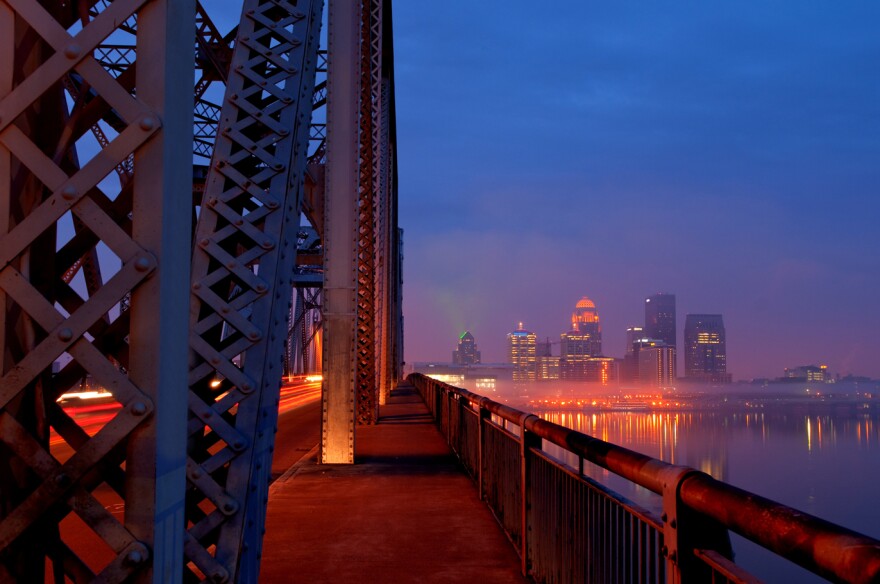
<point>341,233</point>
<point>56,46</point>
<point>243,263</point>
<point>367,398</point>
<point>161,224</point>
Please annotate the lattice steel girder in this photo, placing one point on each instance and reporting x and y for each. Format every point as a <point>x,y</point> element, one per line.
<point>370,95</point>
<point>42,319</point>
<point>241,283</point>
<point>340,233</point>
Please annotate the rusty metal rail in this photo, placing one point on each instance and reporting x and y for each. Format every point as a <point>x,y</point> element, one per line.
<point>569,528</point>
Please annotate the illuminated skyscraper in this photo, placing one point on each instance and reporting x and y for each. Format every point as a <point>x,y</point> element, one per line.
<point>705,357</point>
<point>656,363</point>
<point>574,351</point>
<point>585,320</point>
<point>583,341</point>
<point>521,351</point>
<point>466,353</point>
<point>629,368</point>
<point>660,318</point>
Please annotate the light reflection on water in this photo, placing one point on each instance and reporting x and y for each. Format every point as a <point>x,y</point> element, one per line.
<point>827,464</point>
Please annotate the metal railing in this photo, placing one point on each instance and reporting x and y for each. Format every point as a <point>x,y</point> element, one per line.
<point>568,527</point>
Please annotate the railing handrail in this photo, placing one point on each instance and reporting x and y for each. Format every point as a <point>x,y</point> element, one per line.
<point>827,549</point>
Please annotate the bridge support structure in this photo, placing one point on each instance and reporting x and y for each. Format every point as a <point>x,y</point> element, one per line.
<point>170,285</point>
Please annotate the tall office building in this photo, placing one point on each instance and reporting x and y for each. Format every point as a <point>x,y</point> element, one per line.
<point>466,353</point>
<point>629,367</point>
<point>585,320</point>
<point>705,357</point>
<point>660,318</point>
<point>656,363</point>
<point>574,352</point>
<point>521,353</point>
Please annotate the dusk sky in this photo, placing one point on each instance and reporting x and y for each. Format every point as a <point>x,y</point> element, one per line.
<point>726,152</point>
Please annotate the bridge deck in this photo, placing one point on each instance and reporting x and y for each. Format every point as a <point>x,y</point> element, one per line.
<point>405,512</point>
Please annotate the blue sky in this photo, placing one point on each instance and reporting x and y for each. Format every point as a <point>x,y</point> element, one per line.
<point>728,152</point>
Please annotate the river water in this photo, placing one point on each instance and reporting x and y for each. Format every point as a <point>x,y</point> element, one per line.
<point>824,460</point>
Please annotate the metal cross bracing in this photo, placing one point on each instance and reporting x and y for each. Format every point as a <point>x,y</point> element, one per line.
<point>56,207</point>
<point>96,129</point>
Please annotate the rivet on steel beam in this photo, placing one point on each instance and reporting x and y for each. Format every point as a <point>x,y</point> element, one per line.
<point>65,334</point>
<point>69,192</point>
<point>255,335</point>
<point>142,264</point>
<point>229,507</point>
<point>208,414</point>
<point>220,576</point>
<point>224,310</point>
<point>138,408</point>
<point>247,387</point>
<point>72,51</point>
<point>230,265</point>
<point>197,286</point>
<point>62,480</point>
<point>135,557</point>
<point>273,204</point>
<point>283,131</point>
<point>238,222</point>
<point>197,473</point>
<point>215,360</point>
<point>261,287</point>
<point>212,201</point>
<point>147,123</point>
<point>238,445</point>
<point>267,244</point>
<point>204,243</point>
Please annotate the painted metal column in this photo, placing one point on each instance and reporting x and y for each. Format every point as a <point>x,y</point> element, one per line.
<point>135,354</point>
<point>367,321</point>
<point>243,261</point>
<point>340,233</point>
<point>161,214</point>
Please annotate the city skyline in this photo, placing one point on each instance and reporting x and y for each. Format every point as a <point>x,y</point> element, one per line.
<point>586,313</point>
<point>726,153</point>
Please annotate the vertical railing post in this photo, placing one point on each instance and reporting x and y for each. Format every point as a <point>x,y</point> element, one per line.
<point>684,528</point>
<point>484,415</point>
<point>438,405</point>
<point>527,441</point>
<point>461,438</point>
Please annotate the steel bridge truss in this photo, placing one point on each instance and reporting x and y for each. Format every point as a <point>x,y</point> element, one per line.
<point>180,306</point>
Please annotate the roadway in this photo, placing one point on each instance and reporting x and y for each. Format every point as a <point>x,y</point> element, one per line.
<point>299,430</point>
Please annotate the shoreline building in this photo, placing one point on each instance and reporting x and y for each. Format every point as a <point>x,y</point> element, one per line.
<point>546,365</point>
<point>521,345</point>
<point>585,320</point>
<point>660,318</point>
<point>466,353</point>
<point>581,343</point>
<point>629,367</point>
<point>705,357</point>
<point>656,363</point>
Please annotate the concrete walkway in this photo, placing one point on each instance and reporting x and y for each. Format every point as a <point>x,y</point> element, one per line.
<point>405,512</point>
